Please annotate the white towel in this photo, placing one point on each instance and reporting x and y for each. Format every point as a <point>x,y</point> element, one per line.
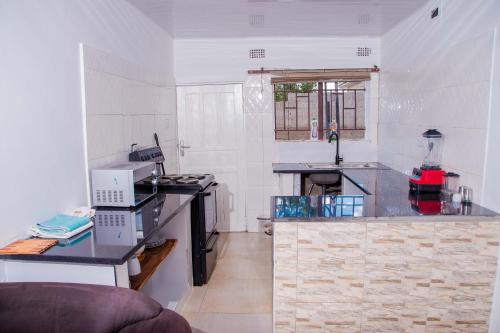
<point>82,212</point>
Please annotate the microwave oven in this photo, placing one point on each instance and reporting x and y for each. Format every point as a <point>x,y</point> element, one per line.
<point>116,185</point>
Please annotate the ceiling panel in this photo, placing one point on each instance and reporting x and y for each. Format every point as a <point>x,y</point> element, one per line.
<point>276,18</point>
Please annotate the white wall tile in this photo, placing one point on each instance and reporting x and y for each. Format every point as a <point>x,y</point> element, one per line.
<point>166,127</point>
<point>123,107</point>
<point>105,135</point>
<point>253,225</point>
<point>255,174</point>
<point>254,197</point>
<point>437,76</point>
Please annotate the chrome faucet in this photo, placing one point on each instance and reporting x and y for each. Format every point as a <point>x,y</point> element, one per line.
<point>338,159</point>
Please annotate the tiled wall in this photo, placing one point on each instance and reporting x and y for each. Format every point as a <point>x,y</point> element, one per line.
<point>436,74</point>
<point>262,183</point>
<point>126,103</point>
<point>384,277</point>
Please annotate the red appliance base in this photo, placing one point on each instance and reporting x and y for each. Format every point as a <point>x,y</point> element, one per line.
<point>427,180</point>
<point>426,203</point>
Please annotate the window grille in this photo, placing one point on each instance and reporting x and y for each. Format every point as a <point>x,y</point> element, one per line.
<point>296,105</point>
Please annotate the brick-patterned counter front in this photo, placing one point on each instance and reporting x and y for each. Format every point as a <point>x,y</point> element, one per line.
<point>384,276</point>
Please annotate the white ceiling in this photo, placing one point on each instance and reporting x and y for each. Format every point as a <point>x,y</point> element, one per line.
<point>272,18</point>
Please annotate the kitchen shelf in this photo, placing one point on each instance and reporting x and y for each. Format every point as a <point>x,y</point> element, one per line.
<point>150,263</point>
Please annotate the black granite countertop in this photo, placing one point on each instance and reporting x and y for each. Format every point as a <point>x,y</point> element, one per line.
<point>117,232</point>
<point>384,194</point>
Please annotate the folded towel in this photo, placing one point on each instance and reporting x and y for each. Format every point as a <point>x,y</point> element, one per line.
<point>37,232</point>
<point>82,212</point>
<point>61,224</point>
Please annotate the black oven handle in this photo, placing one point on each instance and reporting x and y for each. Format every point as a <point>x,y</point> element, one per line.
<point>213,241</point>
<point>210,189</point>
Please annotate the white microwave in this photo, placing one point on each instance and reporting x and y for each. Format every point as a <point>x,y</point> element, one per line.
<point>116,185</point>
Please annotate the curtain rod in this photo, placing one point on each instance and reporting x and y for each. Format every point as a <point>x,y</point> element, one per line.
<point>325,70</point>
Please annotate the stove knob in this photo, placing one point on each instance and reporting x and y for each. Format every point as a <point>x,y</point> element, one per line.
<point>154,172</point>
<point>154,181</point>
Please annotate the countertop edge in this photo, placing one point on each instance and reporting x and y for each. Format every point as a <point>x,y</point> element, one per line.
<point>90,260</point>
<point>388,219</point>
<point>163,224</point>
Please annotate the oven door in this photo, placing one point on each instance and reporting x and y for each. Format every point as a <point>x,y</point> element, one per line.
<point>210,202</point>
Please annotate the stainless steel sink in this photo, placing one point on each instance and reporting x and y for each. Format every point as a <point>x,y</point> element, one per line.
<point>360,165</point>
<point>323,166</point>
<point>344,165</point>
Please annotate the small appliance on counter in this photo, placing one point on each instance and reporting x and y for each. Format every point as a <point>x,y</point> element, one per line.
<point>450,186</point>
<point>116,185</point>
<point>429,177</point>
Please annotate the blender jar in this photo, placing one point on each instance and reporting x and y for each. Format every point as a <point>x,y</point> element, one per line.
<point>432,159</point>
<point>451,182</point>
<point>450,185</point>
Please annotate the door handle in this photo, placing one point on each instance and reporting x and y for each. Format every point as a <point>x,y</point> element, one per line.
<point>182,147</point>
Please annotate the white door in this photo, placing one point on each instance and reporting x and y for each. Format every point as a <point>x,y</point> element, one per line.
<point>211,140</point>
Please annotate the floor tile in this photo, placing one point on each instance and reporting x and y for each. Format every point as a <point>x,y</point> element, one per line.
<point>247,245</point>
<point>194,301</point>
<point>257,267</point>
<point>230,323</point>
<point>238,296</point>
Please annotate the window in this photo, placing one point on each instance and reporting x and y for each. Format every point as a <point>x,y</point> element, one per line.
<point>298,104</point>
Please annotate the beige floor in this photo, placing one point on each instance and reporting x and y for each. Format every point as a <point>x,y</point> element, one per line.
<point>238,297</point>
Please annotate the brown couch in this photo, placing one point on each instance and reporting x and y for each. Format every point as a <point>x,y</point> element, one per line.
<point>70,307</point>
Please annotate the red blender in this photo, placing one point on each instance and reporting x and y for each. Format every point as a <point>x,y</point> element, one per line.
<point>429,177</point>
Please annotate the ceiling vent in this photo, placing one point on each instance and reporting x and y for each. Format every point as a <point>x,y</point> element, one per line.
<point>364,51</point>
<point>364,19</point>
<point>257,53</point>
<point>256,20</point>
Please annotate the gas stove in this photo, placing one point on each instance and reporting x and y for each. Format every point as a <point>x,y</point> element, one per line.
<point>183,181</point>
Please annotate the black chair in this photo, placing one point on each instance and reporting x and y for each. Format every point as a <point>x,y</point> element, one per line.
<point>325,180</point>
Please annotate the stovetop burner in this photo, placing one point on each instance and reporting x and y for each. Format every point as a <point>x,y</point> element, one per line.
<point>183,181</point>
<point>171,177</point>
<point>188,180</point>
<point>197,176</point>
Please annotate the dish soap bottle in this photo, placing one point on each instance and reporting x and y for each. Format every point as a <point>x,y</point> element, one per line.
<point>333,128</point>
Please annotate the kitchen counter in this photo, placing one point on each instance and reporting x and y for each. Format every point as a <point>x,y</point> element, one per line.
<point>367,194</point>
<point>369,260</point>
<point>117,233</point>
